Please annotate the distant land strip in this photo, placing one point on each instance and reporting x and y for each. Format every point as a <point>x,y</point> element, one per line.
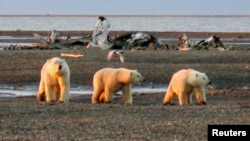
<point>115,33</point>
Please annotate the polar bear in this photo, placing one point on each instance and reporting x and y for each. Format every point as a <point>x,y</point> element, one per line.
<point>183,83</point>
<point>108,81</point>
<point>55,81</point>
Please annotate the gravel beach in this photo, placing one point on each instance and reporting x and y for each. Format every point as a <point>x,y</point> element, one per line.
<point>228,97</point>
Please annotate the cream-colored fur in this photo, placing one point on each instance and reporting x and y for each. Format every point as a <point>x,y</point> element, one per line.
<point>108,81</point>
<point>55,81</point>
<point>184,83</point>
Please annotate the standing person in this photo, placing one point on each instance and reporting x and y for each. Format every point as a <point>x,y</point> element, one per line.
<point>100,35</point>
<point>53,36</point>
<point>101,29</point>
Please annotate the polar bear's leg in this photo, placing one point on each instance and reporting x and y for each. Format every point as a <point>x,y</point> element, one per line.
<point>108,95</point>
<point>183,100</point>
<point>64,87</point>
<point>189,98</point>
<point>168,96</point>
<point>200,95</point>
<point>64,94</point>
<point>50,95</point>
<point>127,96</point>
<point>57,92</point>
<point>102,98</point>
<point>41,92</point>
<point>96,95</point>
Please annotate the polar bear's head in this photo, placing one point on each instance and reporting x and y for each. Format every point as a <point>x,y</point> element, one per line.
<point>136,77</point>
<point>198,79</point>
<point>127,76</point>
<point>57,65</point>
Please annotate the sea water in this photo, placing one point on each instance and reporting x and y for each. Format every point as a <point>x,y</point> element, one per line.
<point>128,23</point>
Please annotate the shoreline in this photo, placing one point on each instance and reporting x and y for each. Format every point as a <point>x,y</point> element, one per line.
<point>158,34</point>
<point>76,90</point>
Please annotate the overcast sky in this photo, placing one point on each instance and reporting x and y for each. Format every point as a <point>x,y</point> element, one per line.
<point>128,7</point>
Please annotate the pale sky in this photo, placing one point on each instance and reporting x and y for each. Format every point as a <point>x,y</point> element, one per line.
<point>128,7</point>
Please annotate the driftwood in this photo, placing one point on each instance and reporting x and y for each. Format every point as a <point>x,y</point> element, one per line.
<point>71,55</point>
<point>62,44</point>
<point>45,44</point>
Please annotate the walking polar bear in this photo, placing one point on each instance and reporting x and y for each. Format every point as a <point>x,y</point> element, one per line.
<point>55,81</point>
<point>107,81</point>
<point>184,83</point>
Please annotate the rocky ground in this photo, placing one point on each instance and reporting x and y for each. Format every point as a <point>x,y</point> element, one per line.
<point>228,97</point>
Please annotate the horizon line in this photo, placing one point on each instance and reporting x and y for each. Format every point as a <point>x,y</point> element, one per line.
<point>176,15</point>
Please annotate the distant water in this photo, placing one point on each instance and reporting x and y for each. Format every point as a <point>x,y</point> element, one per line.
<point>129,23</point>
<point>31,90</point>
